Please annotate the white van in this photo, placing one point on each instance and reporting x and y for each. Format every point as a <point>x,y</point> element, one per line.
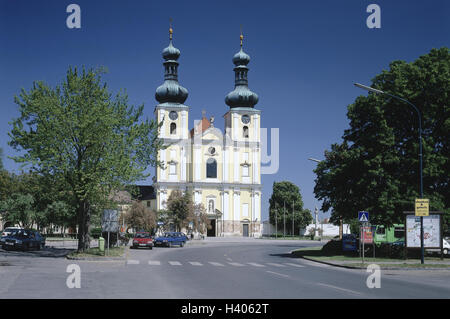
<point>445,248</point>
<point>8,230</point>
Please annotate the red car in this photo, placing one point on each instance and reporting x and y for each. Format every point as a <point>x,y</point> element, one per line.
<point>142,239</point>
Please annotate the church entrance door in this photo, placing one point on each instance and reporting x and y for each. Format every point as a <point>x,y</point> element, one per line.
<point>212,232</point>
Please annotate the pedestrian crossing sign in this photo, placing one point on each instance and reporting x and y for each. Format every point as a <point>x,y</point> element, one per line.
<point>363,217</point>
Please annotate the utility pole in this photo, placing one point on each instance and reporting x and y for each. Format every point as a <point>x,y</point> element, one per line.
<point>292,218</point>
<point>284,220</point>
<point>276,223</point>
<point>316,212</point>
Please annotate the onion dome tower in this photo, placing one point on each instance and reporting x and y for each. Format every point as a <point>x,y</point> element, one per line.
<point>241,96</point>
<point>171,92</point>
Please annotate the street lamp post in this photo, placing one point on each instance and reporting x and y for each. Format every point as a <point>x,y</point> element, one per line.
<point>368,88</point>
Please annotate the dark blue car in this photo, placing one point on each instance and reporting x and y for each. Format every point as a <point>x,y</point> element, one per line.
<point>23,239</point>
<point>170,239</point>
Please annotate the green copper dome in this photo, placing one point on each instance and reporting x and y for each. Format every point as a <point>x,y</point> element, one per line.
<point>171,91</point>
<point>241,96</point>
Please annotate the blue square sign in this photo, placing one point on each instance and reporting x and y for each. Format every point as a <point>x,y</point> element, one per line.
<point>363,216</point>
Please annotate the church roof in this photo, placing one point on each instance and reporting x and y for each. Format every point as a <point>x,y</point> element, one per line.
<point>202,126</point>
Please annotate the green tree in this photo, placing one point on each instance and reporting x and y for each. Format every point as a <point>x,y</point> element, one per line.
<point>81,136</point>
<point>285,199</point>
<point>199,218</point>
<point>376,167</point>
<point>18,209</point>
<point>180,208</point>
<point>140,217</point>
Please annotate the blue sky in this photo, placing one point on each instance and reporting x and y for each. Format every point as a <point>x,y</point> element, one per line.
<point>305,57</point>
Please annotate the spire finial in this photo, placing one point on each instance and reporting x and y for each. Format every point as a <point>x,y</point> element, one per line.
<point>241,36</point>
<point>170,29</point>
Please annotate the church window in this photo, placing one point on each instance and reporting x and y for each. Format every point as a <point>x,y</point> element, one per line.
<point>211,168</point>
<point>245,171</point>
<point>245,131</point>
<point>173,128</point>
<point>173,169</point>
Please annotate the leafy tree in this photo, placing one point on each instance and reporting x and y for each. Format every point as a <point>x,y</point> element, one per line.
<point>140,217</point>
<point>79,135</point>
<point>199,219</point>
<point>18,209</point>
<point>59,213</point>
<point>376,167</point>
<point>285,199</point>
<point>180,207</point>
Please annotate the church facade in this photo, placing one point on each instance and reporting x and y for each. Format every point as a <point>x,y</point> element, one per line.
<point>221,169</point>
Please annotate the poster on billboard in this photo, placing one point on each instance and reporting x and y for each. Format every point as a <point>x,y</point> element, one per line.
<point>110,221</point>
<point>431,231</point>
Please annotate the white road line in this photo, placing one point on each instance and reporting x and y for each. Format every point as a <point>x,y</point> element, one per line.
<point>215,264</point>
<point>132,262</point>
<point>175,263</point>
<point>195,263</point>
<point>256,265</point>
<point>236,264</point>
<point>276,273</point>
<point>294,265</point>
<point>154,263</point>
<point>339,288</point>
<point>275,265</point>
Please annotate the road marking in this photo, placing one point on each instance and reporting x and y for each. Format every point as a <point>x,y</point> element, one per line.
<point>132,262</point>
<point>215,264</point>
<point>276,273</point>
<point>256,265</point>
<point>195,263</point>
<point>339,288</point>
<point>175,263</point>
<point>236,264</point>
<point>276,265</point>
<point>154,263</point>
<point>294,265</point>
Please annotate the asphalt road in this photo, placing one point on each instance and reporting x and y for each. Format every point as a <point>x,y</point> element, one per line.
<point>217,268</point>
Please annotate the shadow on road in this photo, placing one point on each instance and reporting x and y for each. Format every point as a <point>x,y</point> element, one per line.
<point>46,252</point>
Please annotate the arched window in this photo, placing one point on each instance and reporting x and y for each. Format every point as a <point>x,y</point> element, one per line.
<point>245,131</point>
<point>173,128</point>
<point>211,168</point>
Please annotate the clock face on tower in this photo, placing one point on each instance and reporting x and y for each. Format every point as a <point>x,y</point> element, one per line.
<point>245,119</point>
<point>173,115</point>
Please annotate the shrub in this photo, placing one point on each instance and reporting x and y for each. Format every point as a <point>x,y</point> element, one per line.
<point>96,232</point>
<point>332,247</point>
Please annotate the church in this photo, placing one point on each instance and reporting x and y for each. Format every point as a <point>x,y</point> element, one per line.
<point>221,169</point>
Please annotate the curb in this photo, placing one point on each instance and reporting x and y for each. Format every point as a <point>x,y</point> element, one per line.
<point>97,258</point>
<point>362,268</point>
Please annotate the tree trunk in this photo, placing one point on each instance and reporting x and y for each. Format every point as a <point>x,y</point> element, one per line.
<point>84,221</point>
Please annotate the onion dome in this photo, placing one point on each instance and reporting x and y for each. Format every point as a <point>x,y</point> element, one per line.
<point>241,96</point>
<point>171,53</point>
<point>171,91</point>
<point>241,58</point>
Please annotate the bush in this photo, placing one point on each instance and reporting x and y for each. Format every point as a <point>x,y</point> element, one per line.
<point>332,247</point>
<point>96,232</point>
<point>390,250</point>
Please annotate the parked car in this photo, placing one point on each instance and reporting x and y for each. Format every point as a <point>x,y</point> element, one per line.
<point>170,239</point>
<point>142,239</point>
<point>23,239</point>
